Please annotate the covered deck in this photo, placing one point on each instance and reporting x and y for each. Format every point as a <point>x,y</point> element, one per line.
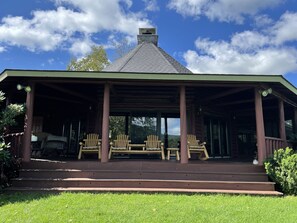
<point>229,112</point>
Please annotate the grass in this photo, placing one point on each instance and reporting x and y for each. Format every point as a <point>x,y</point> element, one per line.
<point>108,207</point>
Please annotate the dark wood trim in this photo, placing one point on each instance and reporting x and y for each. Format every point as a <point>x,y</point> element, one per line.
<point>282,127</point>
<point>58,99</point>
<point>69,92</point>
<point>224,93</point>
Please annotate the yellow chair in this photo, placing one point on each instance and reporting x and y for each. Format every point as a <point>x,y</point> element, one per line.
<point>195,146</point>
<point>91,144</point>
<point>154,144</point>
<point>120,144</point>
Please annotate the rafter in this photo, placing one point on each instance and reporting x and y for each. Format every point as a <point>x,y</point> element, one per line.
<point>68,92</point>
<point>224,93</point>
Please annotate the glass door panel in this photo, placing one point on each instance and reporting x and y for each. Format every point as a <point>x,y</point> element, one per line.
<point>141,127</point>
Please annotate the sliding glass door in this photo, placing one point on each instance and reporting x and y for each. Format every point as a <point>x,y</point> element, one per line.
<point>217,137</point>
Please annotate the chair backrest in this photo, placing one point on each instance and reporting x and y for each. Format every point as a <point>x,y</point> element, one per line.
<point>91,140</point>
<point>121,141</point>
<point>192,140</point>
<point>152,142</point>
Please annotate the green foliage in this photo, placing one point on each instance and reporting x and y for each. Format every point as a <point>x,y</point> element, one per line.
<point>7,118</point>
<point>282,169</point>
<point>95,61</point>
<point>116,126</point>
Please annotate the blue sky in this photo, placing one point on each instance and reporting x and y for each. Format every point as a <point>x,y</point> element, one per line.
<point>207,36</point>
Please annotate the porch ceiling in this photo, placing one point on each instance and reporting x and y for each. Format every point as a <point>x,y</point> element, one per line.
<point>222,91</point>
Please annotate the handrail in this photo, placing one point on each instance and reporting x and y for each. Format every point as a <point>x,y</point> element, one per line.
<point>272,144</point>
<point>16,141</point>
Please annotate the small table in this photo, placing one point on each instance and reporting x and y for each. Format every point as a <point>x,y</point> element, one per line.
<point>136,146</point>
<point>174,152</point>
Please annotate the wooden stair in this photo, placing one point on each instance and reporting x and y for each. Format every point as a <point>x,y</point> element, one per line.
<point>144,176</point>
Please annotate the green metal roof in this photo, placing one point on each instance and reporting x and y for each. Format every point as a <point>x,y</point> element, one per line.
<point>215,78</point>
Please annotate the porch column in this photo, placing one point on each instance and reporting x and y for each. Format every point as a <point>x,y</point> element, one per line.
<point>26,155</point>
<point>105,124</point>
<point>282,127</point>
<point>183,125</point>
<point>260,127</point>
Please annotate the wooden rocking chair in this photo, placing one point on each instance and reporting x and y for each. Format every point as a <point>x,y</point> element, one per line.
<point>90,145</point>
<point>120,144</point>
<point>195,146</point>
<point>153,144</point>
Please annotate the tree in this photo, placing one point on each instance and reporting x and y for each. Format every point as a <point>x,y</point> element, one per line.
<point>95,61</point>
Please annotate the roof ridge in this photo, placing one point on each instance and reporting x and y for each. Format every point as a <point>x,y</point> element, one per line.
<point>172,60</point>
<point>127,61</point>
<point>157,49</point>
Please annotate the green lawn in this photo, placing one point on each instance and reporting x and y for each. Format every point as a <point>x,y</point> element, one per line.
<point>87,207</point>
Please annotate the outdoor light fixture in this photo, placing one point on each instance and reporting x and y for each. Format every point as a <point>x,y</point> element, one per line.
<point>266,92</point>
<point>26,88</point>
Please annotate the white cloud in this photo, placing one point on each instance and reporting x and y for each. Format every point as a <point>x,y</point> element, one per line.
<point>49,29</point>
<point>151,5</point>
<point>250,52</point>
<point>2,49</point>
<point>222,10</point>
<point>81,47</point>
<point>285,29</point>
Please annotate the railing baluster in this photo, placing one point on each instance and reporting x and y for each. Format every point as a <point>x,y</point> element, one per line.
<point>273,144</point>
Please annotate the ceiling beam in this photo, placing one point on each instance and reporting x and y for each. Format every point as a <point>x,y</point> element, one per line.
<point>224,93</point>
<point>69,92</point>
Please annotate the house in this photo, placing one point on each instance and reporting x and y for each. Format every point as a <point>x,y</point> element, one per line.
<point>148,92</point>
<point>237,115</point>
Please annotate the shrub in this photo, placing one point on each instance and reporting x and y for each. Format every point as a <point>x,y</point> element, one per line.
<point>8,164</point>
<point>282,169</point>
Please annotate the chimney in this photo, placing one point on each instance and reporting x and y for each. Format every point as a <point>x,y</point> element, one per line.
<point>147,35</point>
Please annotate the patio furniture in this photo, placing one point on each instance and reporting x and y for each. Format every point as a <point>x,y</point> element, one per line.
<point>120,145</point>
<point>154,145</point>
<point>91,144</point>
<point>173,152</point>
<point>53,146</point>
<point>195,146</point>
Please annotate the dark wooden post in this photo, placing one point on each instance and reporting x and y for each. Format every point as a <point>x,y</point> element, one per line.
<point>193,120</point>
<point>295,120</point>
<point>105,124</point>
<point>260,127</point>
<point>26,155</point>
<point>183,125</point>
<point>282,127</point>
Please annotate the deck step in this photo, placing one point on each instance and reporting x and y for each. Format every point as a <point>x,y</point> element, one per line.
<point>139,183</point>
<point>145,174</point>
<point>143,190</point>
<point>205,166</point>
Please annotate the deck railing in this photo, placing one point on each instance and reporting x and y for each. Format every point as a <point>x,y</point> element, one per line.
<point>273,144</point>
<point>16,142</point>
